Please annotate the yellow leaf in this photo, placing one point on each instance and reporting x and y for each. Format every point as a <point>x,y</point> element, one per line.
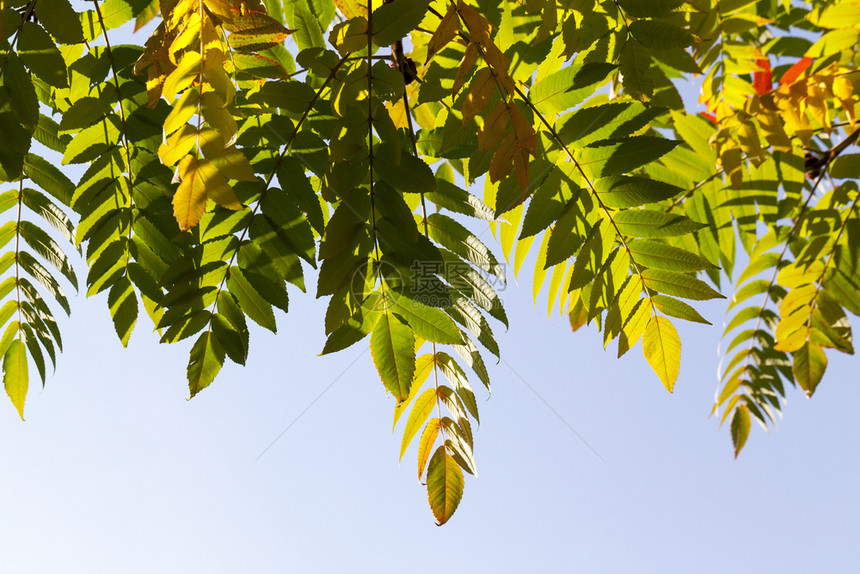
<point>750,143</point>
<point>773,130</point>
<point>817,100</point>
<point>177,145</point>
<point>634,326</point>
<point>731,160</point>
<point>795,310</point>
<point>220,83</point>
<point>218,116</point>
<point>349,36</point>
<point>233,164</point>
<point>421,409</point>
<point>189,202</point>
<point>662,349</point>
<point>221,8</point>
<point>423,368</point>
<point>182,111</point>
<point>189,34</point>
<point>182,77</point>
<point>351,8</point>
<point>425,445</point>
<point>216,187</point>
<point>15,377</point>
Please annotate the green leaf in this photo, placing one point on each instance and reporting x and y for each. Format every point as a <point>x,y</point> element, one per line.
<point>83,113</point>
<point>48,134</point>
<point>308,33</point>
<point>32,342</point>
<point>421,409</point>
<point>569,86</point>
<point>444,485</point>
<point>463,242</point>
<point>301,191</point>
<point>41,56</point>
<point>547,204</point>
<point>293,97</point>
<point>61,20</point>
<point>22,94</point>
<point>114,13</point>
<point>393,22</point>
<point>15,377</point>
<point>678,284</point>
<point>608,121</point>
<point>648,223</point>
<point>50,212</point>
<point>93,141</point>
<point>846,166</point>
<point>635,67</point>
<point>206,359</point>
<point>250,300</point>
<point>428,323</point>
<point>677,309</point>
<point>122,303</point>
<point>408,175</point>
<point>611,157</point>
<point>48,249</point>
<point>566,236</point>
<point>657,34</point>
<point>650,8</point>
<point>49,177</point>
<point>392,346</point>
<point>36,270</point>
<point>657,255</point>
<point>16,141</point>
<point>454,199</point>
<point>809,365</point>
<point>459,443</point>
<point>457,377</point>
<point>740,427</point>
<point>255,31</point>
<point>662,349</point>
<point>622,191</point>
<point>230,328</point>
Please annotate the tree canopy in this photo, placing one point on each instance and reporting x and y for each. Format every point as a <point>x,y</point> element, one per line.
<point>246,142</point>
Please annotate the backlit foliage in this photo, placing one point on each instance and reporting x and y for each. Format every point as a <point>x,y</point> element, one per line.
<point>245,141</point>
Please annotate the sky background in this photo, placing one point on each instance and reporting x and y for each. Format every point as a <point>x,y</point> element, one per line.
<point>115,471</point>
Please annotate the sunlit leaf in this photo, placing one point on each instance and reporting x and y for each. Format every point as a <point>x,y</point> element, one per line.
<point>444,485</point>
<point>662,349</point>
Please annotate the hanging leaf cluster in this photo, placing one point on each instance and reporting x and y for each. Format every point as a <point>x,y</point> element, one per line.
<point>245,143</point>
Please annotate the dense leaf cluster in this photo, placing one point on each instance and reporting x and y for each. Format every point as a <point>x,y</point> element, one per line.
<point>245,140</point>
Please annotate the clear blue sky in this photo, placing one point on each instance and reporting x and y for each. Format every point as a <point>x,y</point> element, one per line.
<point>114,471</point>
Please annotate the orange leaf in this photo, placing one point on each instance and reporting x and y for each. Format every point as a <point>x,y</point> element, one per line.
<point>762,80</point>
<point>479,95</point>
<point>445,32</point>
<point>794,72</point>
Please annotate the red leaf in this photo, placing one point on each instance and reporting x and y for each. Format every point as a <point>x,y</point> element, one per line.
<point>794,72</point>
<point>762,80</point>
